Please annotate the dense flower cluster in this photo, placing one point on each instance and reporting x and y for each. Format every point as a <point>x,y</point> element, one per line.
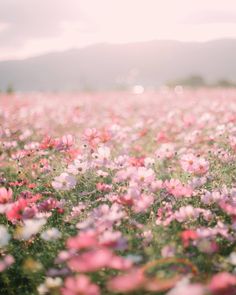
<point>117,193</point>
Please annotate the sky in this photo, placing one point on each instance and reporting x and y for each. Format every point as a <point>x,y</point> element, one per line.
<point>34,27</point>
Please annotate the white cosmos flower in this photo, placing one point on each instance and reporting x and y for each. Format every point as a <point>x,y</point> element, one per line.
<point>51,234</point>
<point>31,227</point>
<point>4,236</point>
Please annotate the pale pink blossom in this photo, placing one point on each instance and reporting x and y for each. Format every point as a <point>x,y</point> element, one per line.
<point>80,285</point>
<point>64,182</point>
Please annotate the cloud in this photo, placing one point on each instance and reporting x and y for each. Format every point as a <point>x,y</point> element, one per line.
<point>28,19</point>
<point>29,27</point>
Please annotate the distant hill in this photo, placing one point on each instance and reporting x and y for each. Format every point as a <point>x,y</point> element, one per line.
<point>116,66</point>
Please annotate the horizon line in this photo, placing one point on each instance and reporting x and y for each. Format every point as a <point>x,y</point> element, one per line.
<point>113,43</point>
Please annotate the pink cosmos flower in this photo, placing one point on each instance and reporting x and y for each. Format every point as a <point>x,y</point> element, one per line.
<point>75,212</point>
<point>207,246</point>
<point>232,142</point>
<point>96,259</point>
<point>64,182</point>
<point>222,281</point>
<point>103,187</point>
<point>128,282</point>
<point>66,142</point>
<point>187,236</point>
<point>187,162</point>
<point>17,210</point>
<point>177,189</point>
<point>156,185</point>
<point>193,164</point>
<point>143,175</point>
<point>189,212</point>
<point>142,203</point>
<point>211,232</point>
<point>228,208</point>
<point>137,161</point>
<point>5,195</point>
<point>104,216</point>
<point>80,285</point>
<point>126,200</point>
<point>6,262</point>
<point>47,143</point>
<point>211,197</point>
<point>165,151</point>
<point>147,237</point>
<point>112,239</point>
<point>162,137</point>
<point>91,136</point>
<point>83,240</point>
<point>50,204</point>
<point>197,182</point>
<point>102,156</point>
<point>168,251</point>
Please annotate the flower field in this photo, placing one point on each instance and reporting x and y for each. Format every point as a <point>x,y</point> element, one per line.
<point>115,193</point>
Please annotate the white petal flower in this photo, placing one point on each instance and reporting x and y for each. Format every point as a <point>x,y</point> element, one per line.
<point>31,227</point>
<point>4,236</point>
<point>51,234</point>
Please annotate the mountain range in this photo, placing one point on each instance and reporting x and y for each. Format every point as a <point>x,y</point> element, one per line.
<point>117,66</point>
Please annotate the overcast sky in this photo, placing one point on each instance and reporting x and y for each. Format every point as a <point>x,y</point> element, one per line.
<point>32,27</point>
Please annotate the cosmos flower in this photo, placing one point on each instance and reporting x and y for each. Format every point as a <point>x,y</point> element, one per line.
<point>51,234</point>
<point>64,182</point>
<point>17,210</point>
<point>222,281</point>
<point>4,236</point>
<point>31,227</point>
<point>177,189</point>
<point>5,195</point>
<point>79,285</point>
<point>193,164</point>
<point>6,262</point>
<point>127,282</point>
<point>94,260</point>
